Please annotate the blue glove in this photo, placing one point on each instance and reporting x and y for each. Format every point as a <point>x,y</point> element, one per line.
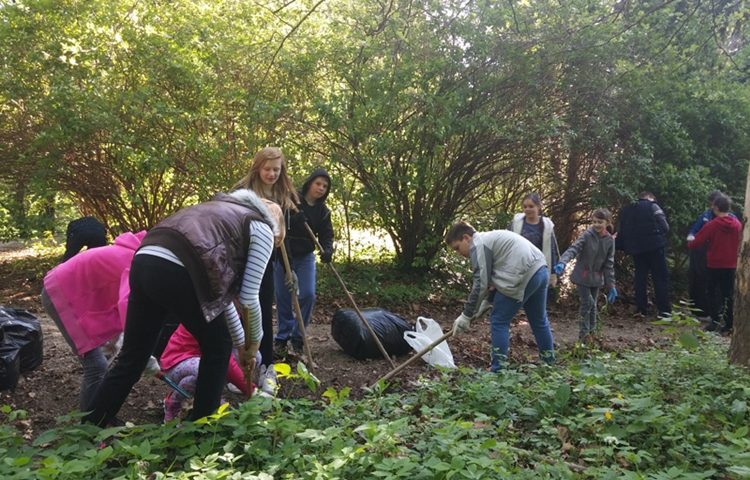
<point>559,268</point>
<point>612,295</point>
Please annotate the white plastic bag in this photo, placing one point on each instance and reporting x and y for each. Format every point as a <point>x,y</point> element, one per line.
<point>427,331</point>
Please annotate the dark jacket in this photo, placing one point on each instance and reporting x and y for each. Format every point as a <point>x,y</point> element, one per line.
<point>643,228</point>
<point>318,217</point>
<point>211,239</point>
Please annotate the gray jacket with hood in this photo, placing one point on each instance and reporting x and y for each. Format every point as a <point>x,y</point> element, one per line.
<point>502,259</point>
<point>595,259</point>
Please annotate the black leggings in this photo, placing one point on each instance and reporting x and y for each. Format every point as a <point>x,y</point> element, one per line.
<point>158,288</point>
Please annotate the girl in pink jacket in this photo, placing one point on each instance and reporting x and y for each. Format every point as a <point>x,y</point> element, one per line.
<point>87,298</point>
<point>180,361</point>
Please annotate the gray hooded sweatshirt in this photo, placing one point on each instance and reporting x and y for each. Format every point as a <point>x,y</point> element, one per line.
<point>595,264</point>
<point>504,260</point>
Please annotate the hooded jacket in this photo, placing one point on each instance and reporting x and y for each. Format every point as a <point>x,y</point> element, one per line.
<point>318,218</point>
<point>722,235</point>
<point>212,239</point>
<point>182,346</point>
<point>90,292</point>
<point>643,228</point>
<point>595,264</point>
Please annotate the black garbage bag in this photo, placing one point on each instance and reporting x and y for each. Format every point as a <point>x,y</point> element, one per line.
<point>355,339</point>
<point>23,331</point>
<point>10,366</point>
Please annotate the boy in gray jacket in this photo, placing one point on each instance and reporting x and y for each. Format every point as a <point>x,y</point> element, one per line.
<point>595,250</point>
<point>515,271</point>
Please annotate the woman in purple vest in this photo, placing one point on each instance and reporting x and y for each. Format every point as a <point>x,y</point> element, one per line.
<point>192,265</point>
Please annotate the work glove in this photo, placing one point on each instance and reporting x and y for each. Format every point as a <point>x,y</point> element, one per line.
<point>461,324</point>
<point>690,237</point>
<point>292,283</point>
<point>326,255</point>
<point>559,268</point>
<point>484,307</point>
<point>612,295</point>
<point>152,366</point>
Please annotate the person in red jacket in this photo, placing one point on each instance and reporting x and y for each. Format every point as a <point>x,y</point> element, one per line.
<point>180,361</point>
<point>722,235</point>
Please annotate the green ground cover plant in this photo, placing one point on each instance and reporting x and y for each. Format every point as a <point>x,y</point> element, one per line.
<point>674,413</point>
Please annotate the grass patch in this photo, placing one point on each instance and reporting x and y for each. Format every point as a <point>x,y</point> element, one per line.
<point>610,416</point>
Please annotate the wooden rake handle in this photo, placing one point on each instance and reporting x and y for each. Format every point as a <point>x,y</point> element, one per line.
<point>414,358</point>
<point>297,309</point>
<point>351,300</point>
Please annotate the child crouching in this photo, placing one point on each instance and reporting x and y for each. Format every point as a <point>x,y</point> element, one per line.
<point>181,361</point>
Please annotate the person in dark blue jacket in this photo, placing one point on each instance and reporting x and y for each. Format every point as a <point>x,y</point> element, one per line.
<point>643,234</point>
<point>313,212</point>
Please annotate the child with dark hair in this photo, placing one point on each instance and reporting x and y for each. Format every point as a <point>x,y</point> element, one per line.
<point>697,273</point>
<point>84,232</point>
<point>312,212</point>
<point>510,266</point>
<point>595,253</point>
<point>722,236</point>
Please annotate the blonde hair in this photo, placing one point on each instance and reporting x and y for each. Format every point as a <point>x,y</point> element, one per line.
<point>282,192</point>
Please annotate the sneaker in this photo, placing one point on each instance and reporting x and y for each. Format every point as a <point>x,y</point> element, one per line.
<point>268,382</point>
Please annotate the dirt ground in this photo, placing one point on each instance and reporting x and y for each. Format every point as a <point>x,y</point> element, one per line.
<point>52,390</point>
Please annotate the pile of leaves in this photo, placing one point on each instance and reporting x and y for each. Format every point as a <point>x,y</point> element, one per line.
<point>671,413</point>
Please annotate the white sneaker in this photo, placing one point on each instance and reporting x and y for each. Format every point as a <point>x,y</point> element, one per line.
<point>269,385</point>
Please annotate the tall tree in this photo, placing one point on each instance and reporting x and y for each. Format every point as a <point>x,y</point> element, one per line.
<point>739,350</point>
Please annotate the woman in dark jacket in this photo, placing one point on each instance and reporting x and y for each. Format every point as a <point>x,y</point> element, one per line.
<point>313,212</point>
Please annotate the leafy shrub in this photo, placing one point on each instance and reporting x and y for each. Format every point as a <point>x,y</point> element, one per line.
<point>606,417</point>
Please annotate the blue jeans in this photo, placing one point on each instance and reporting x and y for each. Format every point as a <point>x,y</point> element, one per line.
<point>588,313</point>
<point>304,267</point>
<point>535,305</point>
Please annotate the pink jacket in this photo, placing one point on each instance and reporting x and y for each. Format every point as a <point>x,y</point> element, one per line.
<point>182,345</point>
<point>90,291</point>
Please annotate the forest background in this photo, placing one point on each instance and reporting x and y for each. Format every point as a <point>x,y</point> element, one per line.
<point>424,111</point>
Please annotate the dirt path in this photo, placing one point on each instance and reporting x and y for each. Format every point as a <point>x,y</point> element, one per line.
<point>52,389</point>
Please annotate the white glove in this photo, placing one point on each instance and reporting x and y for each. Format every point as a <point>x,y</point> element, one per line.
<point>152,366</point>
<point>484,307</point>
<point>461,324</point>
<point>690,237</point>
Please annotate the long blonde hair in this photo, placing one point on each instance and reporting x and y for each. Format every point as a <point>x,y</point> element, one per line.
<point>283,191</point>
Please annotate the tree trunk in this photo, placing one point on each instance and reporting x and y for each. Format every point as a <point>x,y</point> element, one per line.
<point>739,350</point>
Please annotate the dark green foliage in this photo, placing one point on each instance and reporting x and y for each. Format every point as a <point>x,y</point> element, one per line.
<point>610,416</point>
<point>424,111</point>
